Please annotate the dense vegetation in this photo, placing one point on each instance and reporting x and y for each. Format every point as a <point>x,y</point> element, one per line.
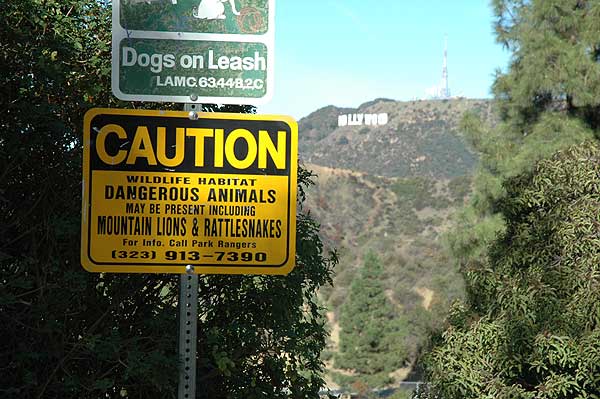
<point>532,327</point>
<point>527,242</point>
<point>67,333</point>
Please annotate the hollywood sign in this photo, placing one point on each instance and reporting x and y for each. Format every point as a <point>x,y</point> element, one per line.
<point>362,119</point>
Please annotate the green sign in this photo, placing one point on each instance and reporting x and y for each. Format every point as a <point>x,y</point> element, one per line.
<point>203,51</point>
<point>195,16</point>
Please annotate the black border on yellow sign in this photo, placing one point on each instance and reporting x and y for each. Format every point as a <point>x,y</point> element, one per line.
<point>179,268</point>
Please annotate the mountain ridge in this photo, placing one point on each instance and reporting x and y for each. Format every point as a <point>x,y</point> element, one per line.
<point>420,138</point>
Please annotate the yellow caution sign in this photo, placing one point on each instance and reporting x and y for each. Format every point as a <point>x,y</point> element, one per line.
<point>162,191</point>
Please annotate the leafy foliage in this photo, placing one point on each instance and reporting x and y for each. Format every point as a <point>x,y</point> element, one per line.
<point>67,333</point>
<point>534,328</point>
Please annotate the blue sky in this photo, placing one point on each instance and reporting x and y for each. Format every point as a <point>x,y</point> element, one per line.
<point>344,53</point>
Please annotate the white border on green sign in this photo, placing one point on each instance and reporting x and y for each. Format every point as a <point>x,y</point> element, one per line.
<point>267,39</point>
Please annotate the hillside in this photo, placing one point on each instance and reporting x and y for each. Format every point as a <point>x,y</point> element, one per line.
<point>390,189</point>
<point>420,138</point>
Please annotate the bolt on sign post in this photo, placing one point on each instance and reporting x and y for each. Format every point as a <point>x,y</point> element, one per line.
<point>162,191</point>
<point>204,51</point>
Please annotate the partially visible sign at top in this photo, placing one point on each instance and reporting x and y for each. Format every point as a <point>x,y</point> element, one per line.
<point>204,51</point>
<point>238,17</point>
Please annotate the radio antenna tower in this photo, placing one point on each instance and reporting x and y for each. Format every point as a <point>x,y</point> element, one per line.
<point>445,89</point>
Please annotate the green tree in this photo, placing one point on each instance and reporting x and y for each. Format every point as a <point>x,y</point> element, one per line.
<point>535,332</point>
<point>372,331</point>
<point>548,100</point>
<point>554,67</point>
<point>67,333</point>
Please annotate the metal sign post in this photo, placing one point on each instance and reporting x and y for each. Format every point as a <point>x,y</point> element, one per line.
<point>188,316</point>
<point>188,321</point>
